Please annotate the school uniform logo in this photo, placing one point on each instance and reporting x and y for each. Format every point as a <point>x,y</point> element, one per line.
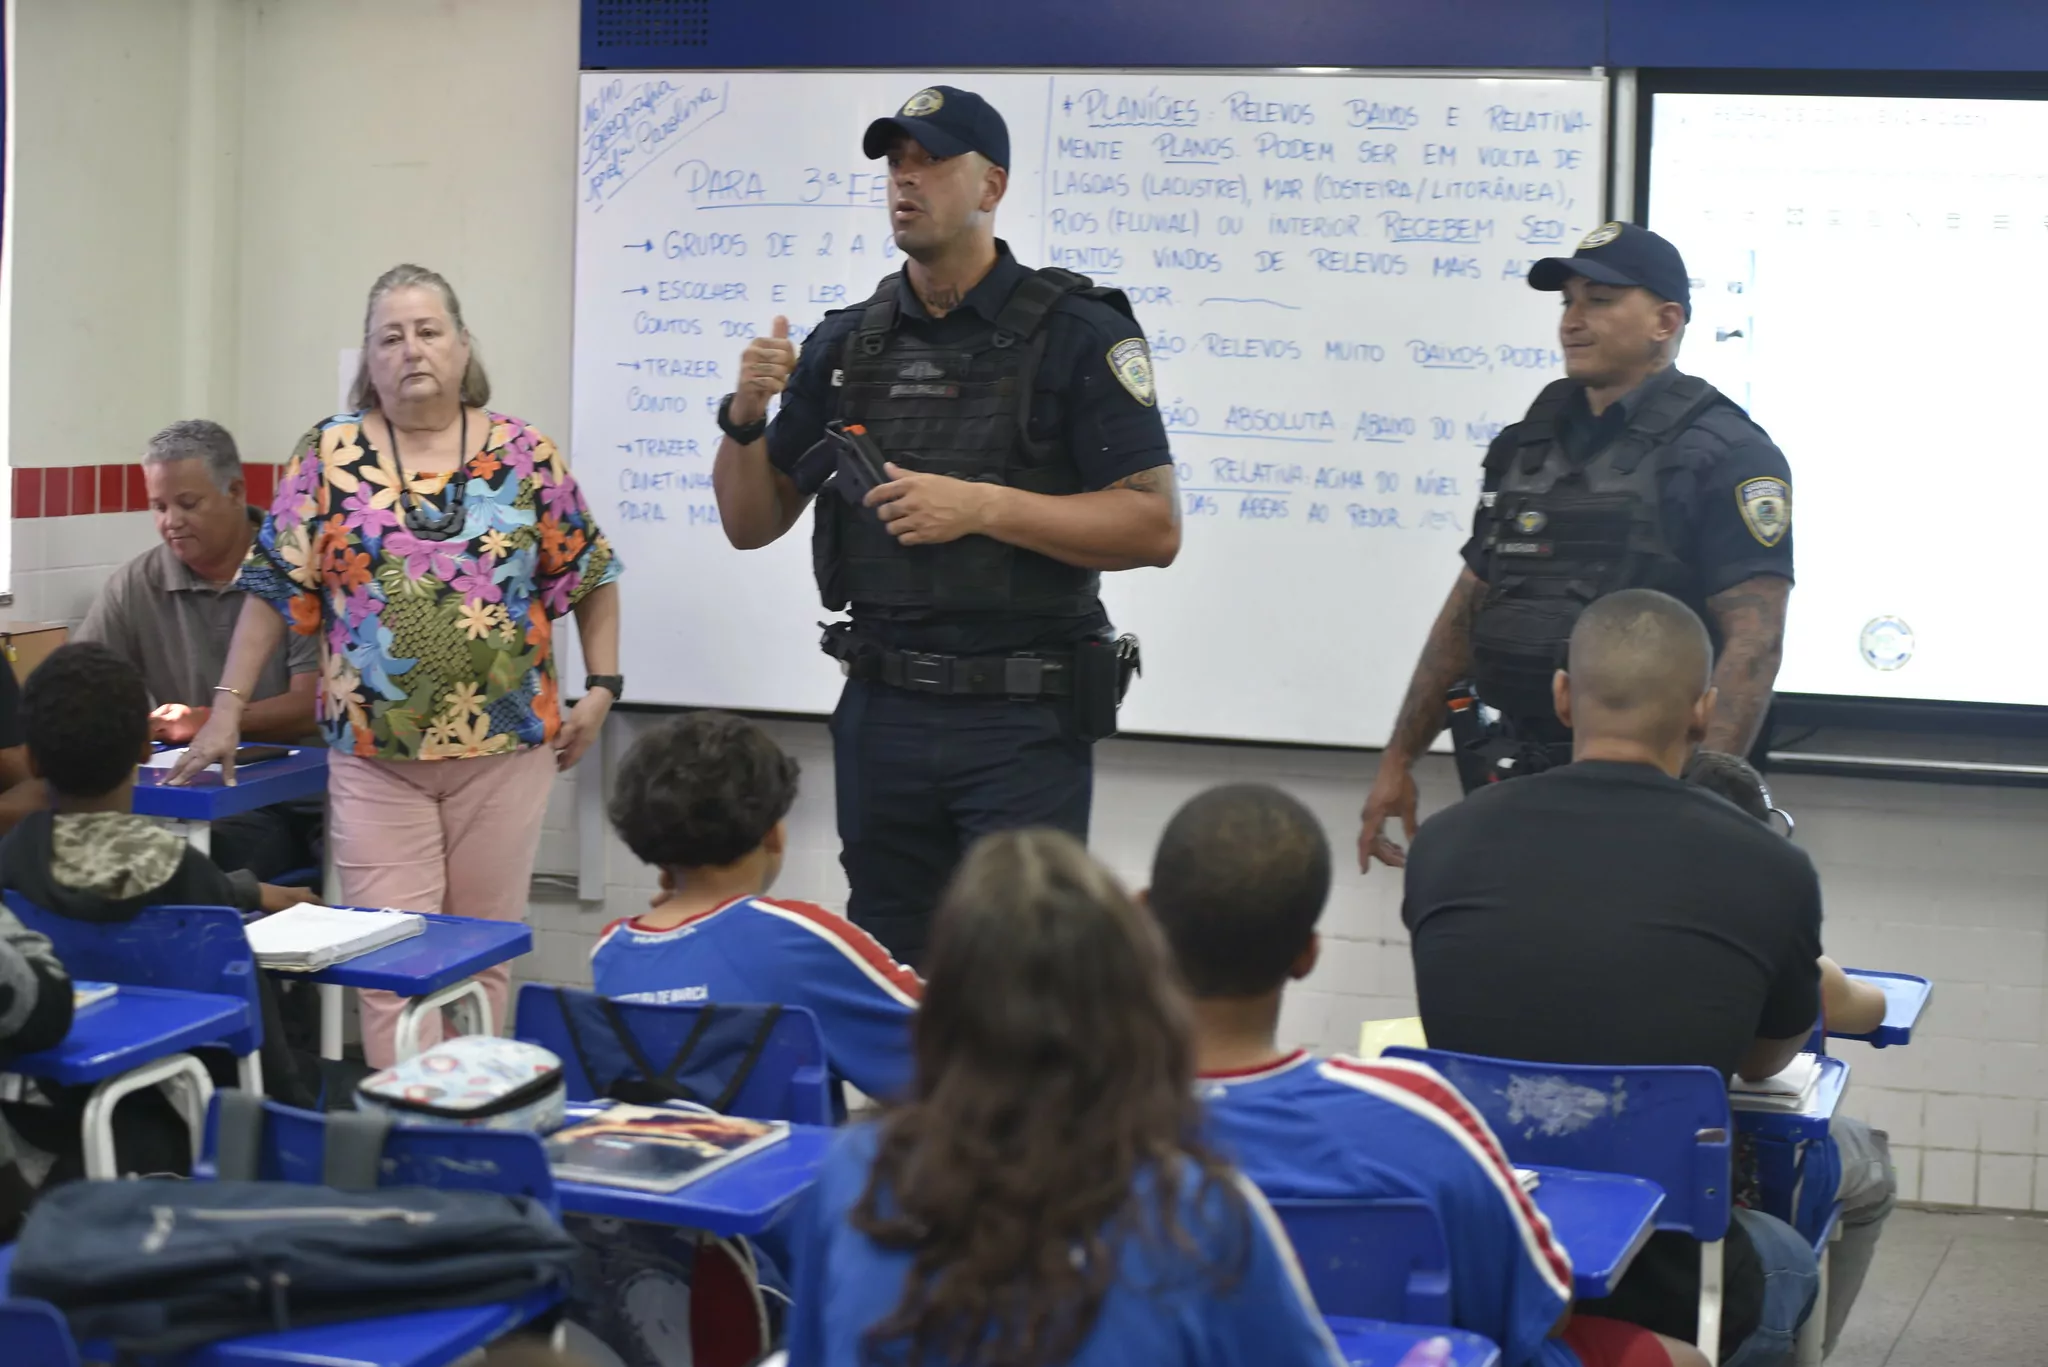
<point>1131,362</point>
<point>921,105</point>
<point>1766,508</point>
<point>1600,236</point>
<point>1886,643</point>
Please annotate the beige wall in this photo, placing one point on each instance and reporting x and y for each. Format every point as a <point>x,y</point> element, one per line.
<point>100,119</point>
<point>381,131</point>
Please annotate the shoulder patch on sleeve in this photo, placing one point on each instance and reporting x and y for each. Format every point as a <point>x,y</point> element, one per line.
<point>1766,506</point>
<point>1131,362</point>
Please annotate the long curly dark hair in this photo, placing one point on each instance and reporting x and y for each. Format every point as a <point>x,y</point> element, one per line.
<point>1053,1118</point>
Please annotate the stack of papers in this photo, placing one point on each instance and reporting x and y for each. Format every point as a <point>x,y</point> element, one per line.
<point>308,937</point>
<point>1790,1090</point>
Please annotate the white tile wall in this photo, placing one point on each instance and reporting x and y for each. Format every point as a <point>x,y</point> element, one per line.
<point>1948,1177</point>
<point>60,562</point>
<point>2005,1182</point>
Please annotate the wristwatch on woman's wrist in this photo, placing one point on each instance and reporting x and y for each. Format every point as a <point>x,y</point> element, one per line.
<point>746,434</point>
<point>614,684</point>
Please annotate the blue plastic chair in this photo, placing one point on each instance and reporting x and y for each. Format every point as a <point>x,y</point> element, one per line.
<point>791,1079</point>
<point>445,1156</point>
<point>185,949</point>
<point>36,1335</point>
<point>1375,1260</point>
<point>1671,1126</point>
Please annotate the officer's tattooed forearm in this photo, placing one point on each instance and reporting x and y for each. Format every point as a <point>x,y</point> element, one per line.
<point>1446,658</point>
<point>1157,480</point>
<point>1751,617</point>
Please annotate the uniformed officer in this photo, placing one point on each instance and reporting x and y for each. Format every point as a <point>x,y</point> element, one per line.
<point>994,443</point>
<point>1624,474</point>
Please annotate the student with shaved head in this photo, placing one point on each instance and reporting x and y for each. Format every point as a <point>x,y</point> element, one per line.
<point>1608,912</point>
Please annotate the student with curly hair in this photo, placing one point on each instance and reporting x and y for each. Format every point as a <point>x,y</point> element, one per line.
<point>702,798</point>
<point>1044,1196</point>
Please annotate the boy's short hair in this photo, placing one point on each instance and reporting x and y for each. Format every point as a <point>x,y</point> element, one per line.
<point>1238,884</point>
<point>1731,777</point>
<point>701,791</point>
<point>85,717</point>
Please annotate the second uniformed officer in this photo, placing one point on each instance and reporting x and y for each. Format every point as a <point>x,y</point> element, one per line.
<point>1624,474</point>
<point>988,441</point>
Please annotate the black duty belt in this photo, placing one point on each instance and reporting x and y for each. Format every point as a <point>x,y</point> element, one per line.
<point>1024,675</point>
<point>993,676</point>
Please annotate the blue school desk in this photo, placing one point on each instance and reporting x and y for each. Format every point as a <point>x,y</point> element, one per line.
<point>1374,1343</point>
<point>136,1038</point>
<point>432,967</point>
<point>425,1338</point>
<point>1809,1122</point>
<point>1601,1219</point>
<point>205,800</point>
<point>746,1197</point>
<point>130,1028</point>
<point>1905,997</point>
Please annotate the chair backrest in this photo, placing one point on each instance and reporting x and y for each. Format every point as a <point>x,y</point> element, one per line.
<point>36,1335</point>
<point>186,949</point>
<point>293,1148</point>
<point>790,1079</point>
<point>1376,1260</point>
<point>1669,1125</point>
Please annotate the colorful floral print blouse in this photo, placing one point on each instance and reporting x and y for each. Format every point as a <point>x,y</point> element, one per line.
<point>430,649</point>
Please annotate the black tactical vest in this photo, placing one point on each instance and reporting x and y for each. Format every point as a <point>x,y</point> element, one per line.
<point>1563,535</point>
<point>964,410</point>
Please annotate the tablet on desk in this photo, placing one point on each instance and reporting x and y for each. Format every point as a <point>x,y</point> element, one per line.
<point>245,755</point>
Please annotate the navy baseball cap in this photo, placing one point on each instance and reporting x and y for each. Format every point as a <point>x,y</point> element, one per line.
<point>1620,254</point>
<point>945,122</point>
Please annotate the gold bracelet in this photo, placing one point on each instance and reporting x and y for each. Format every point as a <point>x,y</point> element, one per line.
<point>223,688</point>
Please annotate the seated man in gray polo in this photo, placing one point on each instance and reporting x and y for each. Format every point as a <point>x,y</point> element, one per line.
<point>171,612</point>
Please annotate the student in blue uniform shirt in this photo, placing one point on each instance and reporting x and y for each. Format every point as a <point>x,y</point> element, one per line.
<point>702,798</point>
<point>1044,1196</point>
<point>1238,884</point>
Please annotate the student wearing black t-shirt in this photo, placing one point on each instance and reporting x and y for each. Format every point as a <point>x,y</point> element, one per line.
<point>1606,912</point>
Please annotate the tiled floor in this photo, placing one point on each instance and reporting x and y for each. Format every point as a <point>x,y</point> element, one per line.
<point>1949,1290</point>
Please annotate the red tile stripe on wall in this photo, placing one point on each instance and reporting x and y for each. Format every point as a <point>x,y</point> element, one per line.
<point>74,490</point>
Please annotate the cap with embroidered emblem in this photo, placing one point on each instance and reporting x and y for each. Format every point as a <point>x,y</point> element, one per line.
<point>945,121</point>
<point>1620,254</point>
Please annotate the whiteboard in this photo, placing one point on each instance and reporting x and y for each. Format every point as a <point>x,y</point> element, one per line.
<point>1329,266</point>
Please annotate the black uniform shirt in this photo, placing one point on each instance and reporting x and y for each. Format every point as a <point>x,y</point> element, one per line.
<point>1609,914</point>
<point>1107,430</point>
<point>1726,470</point>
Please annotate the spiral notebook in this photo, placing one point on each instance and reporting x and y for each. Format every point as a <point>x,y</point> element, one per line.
<point>308,937</point>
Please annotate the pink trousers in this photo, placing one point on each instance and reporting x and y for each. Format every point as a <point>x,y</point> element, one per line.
<point>448,835</point>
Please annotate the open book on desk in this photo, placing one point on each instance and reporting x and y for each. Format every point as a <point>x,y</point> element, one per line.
<point>308,937</point>
<point>1789,1090</point>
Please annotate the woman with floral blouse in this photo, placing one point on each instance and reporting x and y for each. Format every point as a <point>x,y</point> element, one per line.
<point>430,543</point>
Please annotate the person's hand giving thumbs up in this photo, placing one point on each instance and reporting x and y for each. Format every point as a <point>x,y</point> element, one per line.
<point>764,372</point>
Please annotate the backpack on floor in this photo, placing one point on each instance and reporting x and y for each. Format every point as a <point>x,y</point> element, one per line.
<point>159,1266</point>
<point>649,1295</point>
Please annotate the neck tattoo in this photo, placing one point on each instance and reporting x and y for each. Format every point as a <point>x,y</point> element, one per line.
<point>940,300</point>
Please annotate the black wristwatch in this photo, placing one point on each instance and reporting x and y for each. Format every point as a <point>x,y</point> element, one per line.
<point>614,684</point>
<point>745,435</point>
